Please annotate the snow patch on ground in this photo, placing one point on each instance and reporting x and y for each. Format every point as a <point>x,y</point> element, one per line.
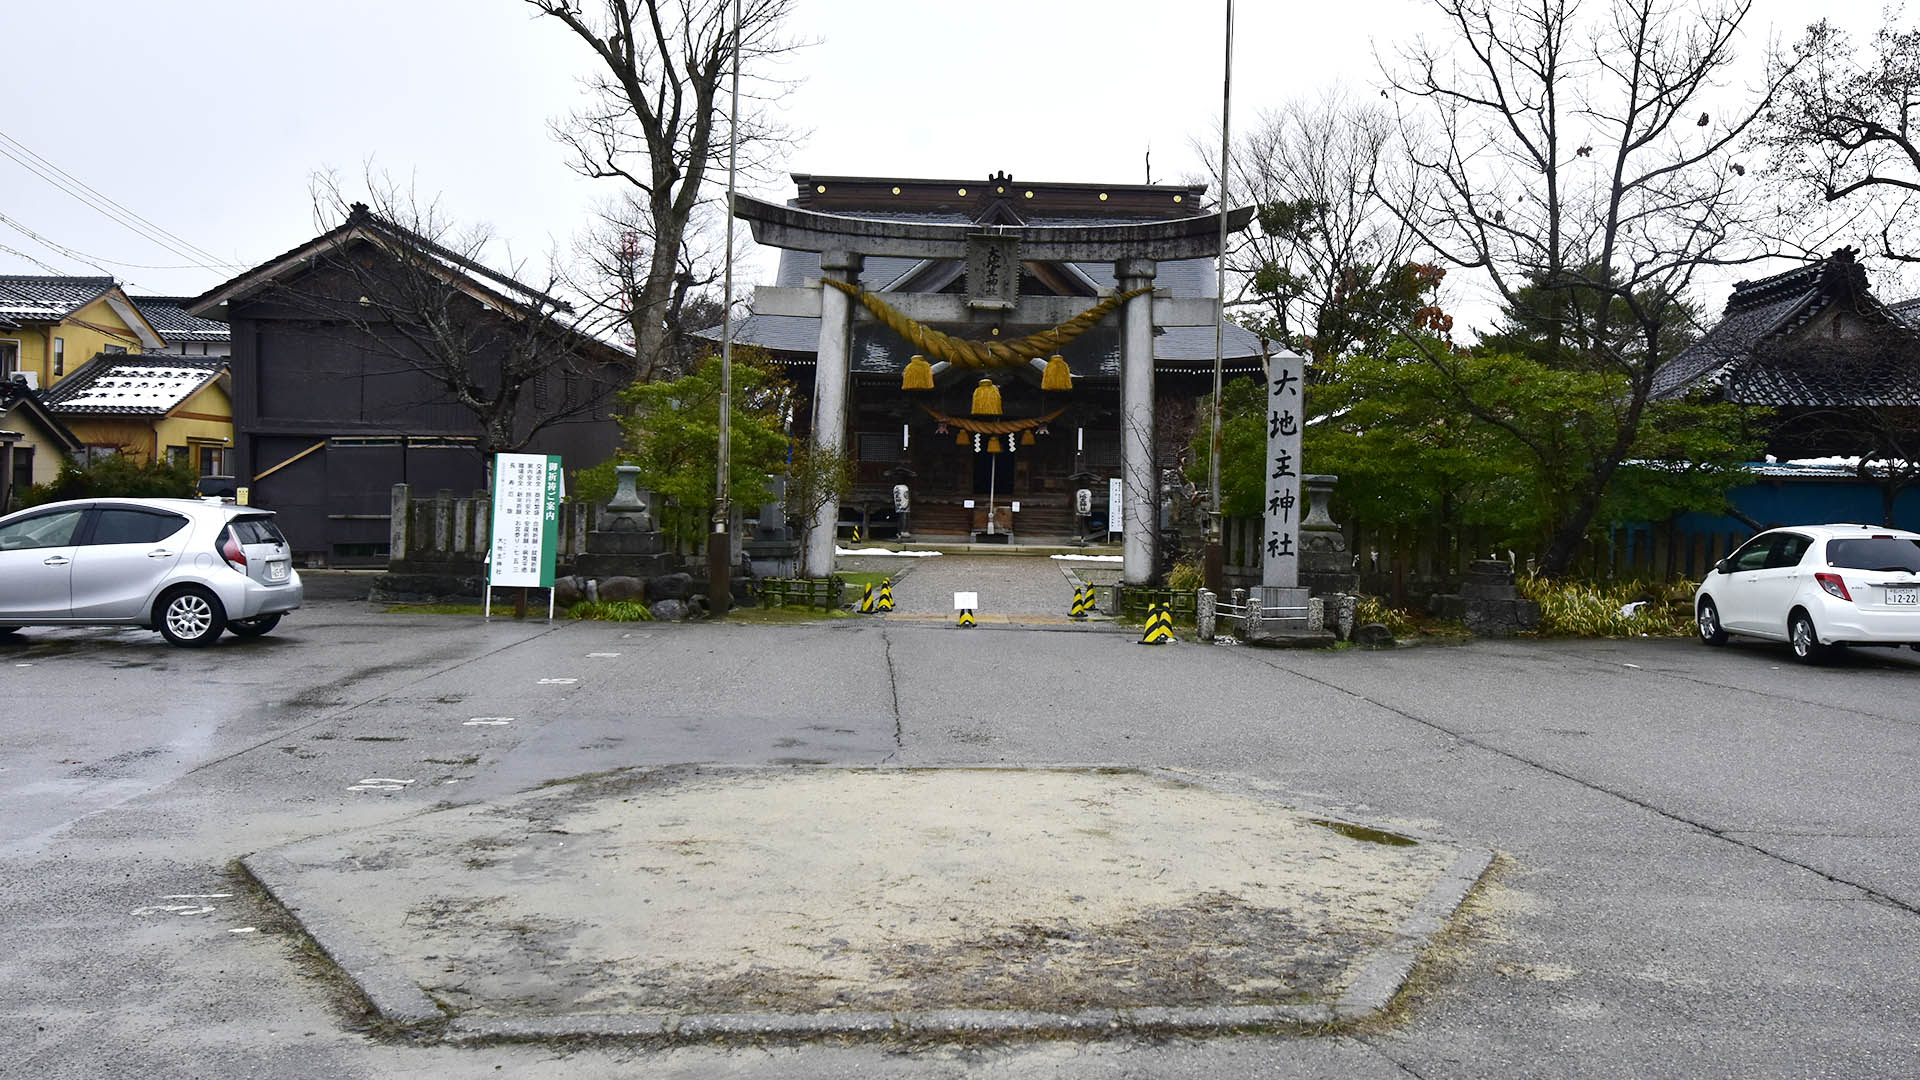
<point>883,551</point>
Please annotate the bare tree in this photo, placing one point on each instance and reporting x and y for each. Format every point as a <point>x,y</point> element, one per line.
<point>656,94</point>
<point>1842,134</point>
<point>1587,167</point>
<point>610,268</point>
<point>1326,253</point>
<point>402,285</point>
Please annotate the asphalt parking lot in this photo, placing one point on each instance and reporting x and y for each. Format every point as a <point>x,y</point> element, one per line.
<point>1709,860</point>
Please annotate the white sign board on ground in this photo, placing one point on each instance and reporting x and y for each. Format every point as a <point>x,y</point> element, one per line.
<point>966,601</point>
<point>1114,505</point>
<point>525,531</point>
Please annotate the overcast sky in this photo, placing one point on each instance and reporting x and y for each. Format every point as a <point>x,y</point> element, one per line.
<point>207,117</point>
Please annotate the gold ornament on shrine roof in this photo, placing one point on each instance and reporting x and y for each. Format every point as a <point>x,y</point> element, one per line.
<point>961,352</point>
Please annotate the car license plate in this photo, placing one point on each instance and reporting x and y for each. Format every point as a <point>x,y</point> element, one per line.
<point>1903,595</point>
<point>277,571</point>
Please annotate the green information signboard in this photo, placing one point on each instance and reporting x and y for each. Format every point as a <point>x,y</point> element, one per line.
<point>524,537</point>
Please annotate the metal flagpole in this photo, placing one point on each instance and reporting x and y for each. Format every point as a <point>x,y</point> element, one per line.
<point>1212,570</point>
<point>719,544</point>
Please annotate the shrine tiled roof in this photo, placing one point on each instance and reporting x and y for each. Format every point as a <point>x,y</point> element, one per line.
<point>132,384</point>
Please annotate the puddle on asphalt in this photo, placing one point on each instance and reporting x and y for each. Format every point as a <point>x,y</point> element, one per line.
<point>1366,835</point>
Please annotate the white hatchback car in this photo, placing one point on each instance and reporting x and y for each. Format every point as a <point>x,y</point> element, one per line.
<point>1816,587</point>
<point>189,568</point>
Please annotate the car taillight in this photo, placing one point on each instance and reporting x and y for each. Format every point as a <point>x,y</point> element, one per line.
<point>231,550</point>
<point>1834,586</point>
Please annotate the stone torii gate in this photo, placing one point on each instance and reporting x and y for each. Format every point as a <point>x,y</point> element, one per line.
<point>1135,250</point>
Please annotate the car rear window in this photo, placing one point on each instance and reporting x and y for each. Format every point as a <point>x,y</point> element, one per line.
<point>124,526</point>
<point>1877,553</point>
<point>256,530</point>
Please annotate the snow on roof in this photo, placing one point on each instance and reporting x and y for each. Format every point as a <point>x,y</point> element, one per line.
<point>133,385</point>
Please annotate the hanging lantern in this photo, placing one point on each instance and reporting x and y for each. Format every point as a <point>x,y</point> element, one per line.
<point>986,399</point>
<point>1026,437</point>
<point>1058,375</point>
<point>918,375</point>
<point>960,438</point>
<point>993,445</point>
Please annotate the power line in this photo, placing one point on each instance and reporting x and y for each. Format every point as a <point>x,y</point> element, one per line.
<point>91,260</point>
<point>91,198</point>
<point>192,250</point>
<point>56,271</point>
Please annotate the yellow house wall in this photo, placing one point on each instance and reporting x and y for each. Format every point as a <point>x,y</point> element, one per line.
<point>86,332</point>
<point>47,454</point>
<point>205,417</point>
<point>133,435</point>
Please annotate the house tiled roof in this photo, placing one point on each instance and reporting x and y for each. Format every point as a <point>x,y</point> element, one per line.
<point>169,316</point>
<point>1749,358</point>
<point>131,384</point>
<point>47,299</point>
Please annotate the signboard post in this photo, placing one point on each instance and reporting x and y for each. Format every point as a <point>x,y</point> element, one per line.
<point>1114,506</point>
<point>524,537</point>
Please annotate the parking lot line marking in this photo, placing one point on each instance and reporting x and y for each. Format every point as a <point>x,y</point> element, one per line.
<point>487,721</point>
<point>557,682</point>
<point>606,654</point>
<point>380,783</point>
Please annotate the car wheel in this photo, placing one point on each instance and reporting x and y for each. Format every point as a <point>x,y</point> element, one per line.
<point>1707,621</point>
<point>255,626</point>
<point>1804,642</point>
<point>191,616</point>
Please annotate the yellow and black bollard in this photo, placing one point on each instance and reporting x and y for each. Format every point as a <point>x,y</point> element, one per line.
<point>866,601</point>
<point>1159,625</point>
<point>1079,609</point>
<point>886,595</point>
<point>966,618</point>
<point>856,534</point>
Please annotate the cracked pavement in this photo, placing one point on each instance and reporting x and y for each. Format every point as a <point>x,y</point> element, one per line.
<point>1709,859</point>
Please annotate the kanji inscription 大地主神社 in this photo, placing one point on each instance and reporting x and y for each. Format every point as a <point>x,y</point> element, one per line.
<point>1281,566</point>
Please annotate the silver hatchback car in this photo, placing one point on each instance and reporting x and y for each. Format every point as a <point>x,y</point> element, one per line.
<point>190,569</point>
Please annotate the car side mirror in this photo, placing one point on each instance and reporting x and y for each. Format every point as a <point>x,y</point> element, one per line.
<point>1724,566</point>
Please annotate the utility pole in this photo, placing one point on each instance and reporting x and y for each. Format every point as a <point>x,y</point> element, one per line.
<point>719,544</point>
<point>1211,569</point>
